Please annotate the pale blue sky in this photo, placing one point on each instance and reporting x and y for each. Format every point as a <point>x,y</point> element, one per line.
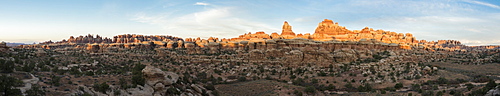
<point>474,22</point>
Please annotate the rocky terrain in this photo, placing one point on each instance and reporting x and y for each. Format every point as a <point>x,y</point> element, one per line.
<point>333,60</point>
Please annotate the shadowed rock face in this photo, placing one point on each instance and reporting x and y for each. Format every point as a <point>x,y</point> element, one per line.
<point>3,47</point>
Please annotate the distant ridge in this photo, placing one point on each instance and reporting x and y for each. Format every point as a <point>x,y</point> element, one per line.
<point>327,32</point>
<point>14,44</point>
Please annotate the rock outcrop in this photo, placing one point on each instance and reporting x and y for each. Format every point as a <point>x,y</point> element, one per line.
<point>494,92</point>
<point>161,82</point>
<point>287,32</point>
<point>328,27</point>
<point>156,76</point>
<point>329,36</point>
<point>329,30</point>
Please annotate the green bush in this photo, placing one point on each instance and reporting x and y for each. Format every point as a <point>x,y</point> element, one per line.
<point>210,87</point>
<point>469,86</point>
<point>8,84</point>
<point>35,91</point>
<point>6,66</point>
<point>103,87</point>
<point>310,89</point>
<point>138,80</point>
<point>398,85</point>
<point>365,88</point>
<point>173,90</point>
<point>491,84</point>
<point>241,79</point>
<point>314,81</point>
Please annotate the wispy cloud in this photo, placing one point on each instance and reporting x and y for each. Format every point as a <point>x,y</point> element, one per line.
<point>426,19</point>
<point>218,22</point>
<point>479,42</point>
<point>471,30</point>
<point>483,3</point>
<point>156,19</point>
<point>201,3</point>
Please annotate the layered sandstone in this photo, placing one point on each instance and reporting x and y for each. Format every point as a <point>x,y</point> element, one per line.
<point>329,36</point>
<point>287,32</point>
<point>328,27</point>
<point>329,30</point>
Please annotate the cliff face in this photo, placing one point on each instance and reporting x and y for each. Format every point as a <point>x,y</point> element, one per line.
<point>329,30</point>
<point>328,27</point>
<point>126,38</point>
<point>329,36</point>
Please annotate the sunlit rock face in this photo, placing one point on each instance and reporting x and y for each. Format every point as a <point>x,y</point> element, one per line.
<point>287,32</point>
<point>328,27</point>
<point>328,38</point>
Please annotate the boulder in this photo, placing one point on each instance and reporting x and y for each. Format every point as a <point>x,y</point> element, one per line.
<point>145,90</point>
<point>494,92</point>
<point>155,75</point>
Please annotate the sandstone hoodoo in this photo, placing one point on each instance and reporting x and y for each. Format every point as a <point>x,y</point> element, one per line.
<point>287,32</point>
<point>329,44</point>
<point>327,32</point>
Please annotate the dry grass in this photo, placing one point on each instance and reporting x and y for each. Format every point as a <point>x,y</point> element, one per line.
<point>469,70</point>
<point>257,88</point>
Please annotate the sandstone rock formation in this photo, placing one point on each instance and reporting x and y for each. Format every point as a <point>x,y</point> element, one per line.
<point>156,76</point>
<point>328,27</point>
<point>329,36</point>
<point>329,30</point>
<point>332,49</point>
<point>161,81</point>
<point>287,32</point>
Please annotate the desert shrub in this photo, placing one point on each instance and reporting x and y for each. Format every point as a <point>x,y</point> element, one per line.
<point>138,80</point>
<point>398,85</point>
<point>6,66</point>
<point>365,88</point>
<point>469,86</point>
<point>310,89</point>
<point>173,90</point>
<point>314,81</point>
<point>491,84</point>
<point>442,80</point>
<point>297,93</point>
<point>8,84</point>
<point>210,87</point>
<point>103,87</point>
<point>428,93</point>
<point>55,80</point>
<point>349,86</point>
<point>241,79</point>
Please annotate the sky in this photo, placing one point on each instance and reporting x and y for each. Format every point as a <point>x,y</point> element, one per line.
<point>473,22</point>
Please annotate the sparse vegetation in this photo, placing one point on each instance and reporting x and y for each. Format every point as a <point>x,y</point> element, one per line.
<point>65,70</point>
